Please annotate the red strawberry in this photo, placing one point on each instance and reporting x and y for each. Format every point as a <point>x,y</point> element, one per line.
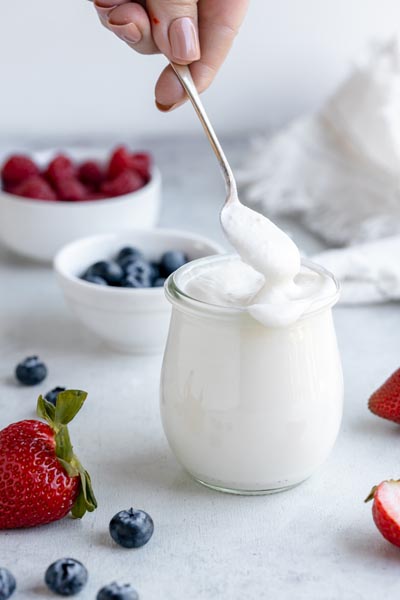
<point>41,479</point>
<point>120,161</point>
<point>141,162</point>
<point>71,189</point>
<point>124,183</point>
<point>35,187</point>
<point>386,509</point>
<point>18,168</point>
<point>60,168</point>
<point>91,173</point>
<point>385,402</point>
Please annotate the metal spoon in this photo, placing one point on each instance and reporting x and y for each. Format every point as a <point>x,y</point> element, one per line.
<point>185,77</point>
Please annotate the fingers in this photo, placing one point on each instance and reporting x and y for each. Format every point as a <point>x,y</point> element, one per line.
<point>175,30</point>
<point>219,22</point>
<point>168,92</point>
<point>130,22</point>
<point>104,7</point>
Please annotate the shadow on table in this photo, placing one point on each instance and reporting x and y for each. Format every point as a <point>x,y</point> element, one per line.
<point>154,469</point>
<point>42,592</point>
<point>375,427</point>
<point>370,548</point>
<point>16,261</point>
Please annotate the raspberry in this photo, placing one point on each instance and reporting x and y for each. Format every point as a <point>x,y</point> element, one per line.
<point>95,196</point>
<point>91,173</point>
<point>141,162</point>
<point>120,161</point>
<point>60,168</point>
<point>71,189</point>
<point>126,182</point>
<point>35,187</point>
<point>10,187</point>
<point>18,168</point>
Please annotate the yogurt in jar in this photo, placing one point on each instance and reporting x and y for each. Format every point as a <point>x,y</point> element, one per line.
<point>251,382</point>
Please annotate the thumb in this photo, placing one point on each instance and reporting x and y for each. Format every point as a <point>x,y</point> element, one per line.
<point>174,29</point>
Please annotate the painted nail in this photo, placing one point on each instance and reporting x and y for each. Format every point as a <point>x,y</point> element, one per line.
<point>106,3</point>
<point>129,32</point>
<point>184,40</point>
<point>168,107</point>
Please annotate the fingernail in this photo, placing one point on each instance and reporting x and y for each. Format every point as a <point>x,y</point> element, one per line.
<point>105,3</point>
<point>168,107</point>
<point>103,12</point>
<point>128,32</point>
<point>183,39</point>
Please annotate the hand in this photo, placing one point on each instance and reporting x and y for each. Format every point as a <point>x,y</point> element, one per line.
<point>192,31</point>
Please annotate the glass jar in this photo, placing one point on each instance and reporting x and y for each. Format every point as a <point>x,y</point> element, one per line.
<point>249,409</point>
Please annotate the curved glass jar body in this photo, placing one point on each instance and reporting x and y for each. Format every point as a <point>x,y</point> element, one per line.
<point>248,408</point>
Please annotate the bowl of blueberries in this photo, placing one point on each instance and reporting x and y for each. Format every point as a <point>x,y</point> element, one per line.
<point>114,283</point>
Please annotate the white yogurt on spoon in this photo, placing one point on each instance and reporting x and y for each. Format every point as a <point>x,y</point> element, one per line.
<point>269,280</point>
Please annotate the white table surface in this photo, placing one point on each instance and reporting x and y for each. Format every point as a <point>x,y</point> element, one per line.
<point>317,541</point>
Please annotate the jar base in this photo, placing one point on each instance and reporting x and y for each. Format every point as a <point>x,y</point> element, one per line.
<point>235,492</point>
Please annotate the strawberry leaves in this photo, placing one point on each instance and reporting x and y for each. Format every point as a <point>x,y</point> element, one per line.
<point>45,410</point>
<point>68,404</point>
<point>86,500</point>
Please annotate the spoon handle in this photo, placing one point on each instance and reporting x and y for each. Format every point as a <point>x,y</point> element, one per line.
<point>185,77</point>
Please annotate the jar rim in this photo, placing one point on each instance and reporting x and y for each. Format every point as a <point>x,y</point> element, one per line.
<point>174,293</point>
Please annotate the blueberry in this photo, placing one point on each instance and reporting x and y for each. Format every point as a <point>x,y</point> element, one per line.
<point>159,282</point>
<point>53,394</point>
<point>117,591</point>
<point>155,271</point>
<point>138,274</point>
<point>66,577</point>
<point>171,261</point>
<point>94,279</point>
<point>108,270</point>
<point>31,371</point>
<point>132,281</point>
<point>8,584</point>
<point>127,255</point>
<point>131,528</point>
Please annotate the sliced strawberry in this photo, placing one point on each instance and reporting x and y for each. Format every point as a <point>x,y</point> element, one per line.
<point>91,173</point>
<point>385,402</point>
<point>35,187</point>
<point>120,161</point>
<point>386,509</point>
<point>60,168</point>
<point>141,162</point>
<point>18,168</point>
<point>71,189</point>
<point>125,183</point>
<point>41,479</point>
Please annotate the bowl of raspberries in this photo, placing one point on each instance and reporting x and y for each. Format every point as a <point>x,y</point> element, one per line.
<point>50,198</point>
<point>113,283</point>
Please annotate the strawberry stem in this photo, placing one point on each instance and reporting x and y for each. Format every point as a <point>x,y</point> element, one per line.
<point>68,404</point>
<point>371,494</point>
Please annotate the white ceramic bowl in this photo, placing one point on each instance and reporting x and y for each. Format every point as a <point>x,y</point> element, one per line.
<point>37,229</point>
<point>129,320</point>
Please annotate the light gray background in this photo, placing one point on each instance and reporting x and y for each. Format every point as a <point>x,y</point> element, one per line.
<point>61,71</point>
<point>317,541</point>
